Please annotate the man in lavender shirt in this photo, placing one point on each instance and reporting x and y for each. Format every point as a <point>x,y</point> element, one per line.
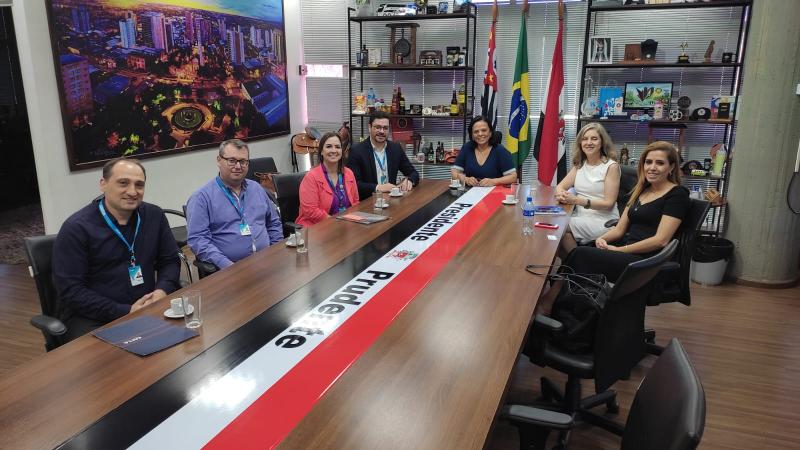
<point>231,217</point>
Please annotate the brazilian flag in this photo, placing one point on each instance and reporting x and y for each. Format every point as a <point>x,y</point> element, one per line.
<point>518,140</point>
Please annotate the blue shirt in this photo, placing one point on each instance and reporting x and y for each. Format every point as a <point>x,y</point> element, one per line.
<point>213,223</point>
<point>497,164</point>
<point>90,262</point>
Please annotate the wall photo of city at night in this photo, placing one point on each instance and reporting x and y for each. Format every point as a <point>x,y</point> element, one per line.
<point>149,78</point>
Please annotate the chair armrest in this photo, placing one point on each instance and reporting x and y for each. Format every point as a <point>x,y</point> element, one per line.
<point>542,322</point>
<point>670,266</point>
<point>538,417</point>
<point>49,325</point>
<point>204,267</point>
<point>611,223</point>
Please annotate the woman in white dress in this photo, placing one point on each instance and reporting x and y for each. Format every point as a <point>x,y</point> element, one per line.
<point>592,185</point>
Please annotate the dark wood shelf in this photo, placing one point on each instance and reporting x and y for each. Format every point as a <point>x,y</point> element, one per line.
<point>658,123</point>
<point>414,17</point>
<point>417,67</point>
<point>414,116</point>
<point>712,4</point>
<point>704,177</point>
<point>657,65</point>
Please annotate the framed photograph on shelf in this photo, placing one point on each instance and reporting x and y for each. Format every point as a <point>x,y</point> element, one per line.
<point>146,79</point>
<point>600,50</point>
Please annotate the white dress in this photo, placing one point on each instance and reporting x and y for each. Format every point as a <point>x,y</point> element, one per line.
<point>588,224</point>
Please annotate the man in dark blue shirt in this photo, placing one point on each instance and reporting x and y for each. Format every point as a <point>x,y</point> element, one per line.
<point>115,255</point>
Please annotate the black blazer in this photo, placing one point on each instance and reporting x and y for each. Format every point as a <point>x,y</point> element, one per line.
<point>362,162</point>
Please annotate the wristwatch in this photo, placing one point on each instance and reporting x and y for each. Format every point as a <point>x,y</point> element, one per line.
<point>588,203</point>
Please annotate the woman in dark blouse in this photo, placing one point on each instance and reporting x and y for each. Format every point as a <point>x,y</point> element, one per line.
<point>657,206</point>
<point>480,162</point>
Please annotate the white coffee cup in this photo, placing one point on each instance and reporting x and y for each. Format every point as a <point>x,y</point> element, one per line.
<point>176,304</point>
<point>395,191</point>
<point>510,198</point>
<point>454,183</point>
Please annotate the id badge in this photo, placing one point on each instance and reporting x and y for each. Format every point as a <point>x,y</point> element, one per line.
<point>135,274</point>
<point>244,229</point>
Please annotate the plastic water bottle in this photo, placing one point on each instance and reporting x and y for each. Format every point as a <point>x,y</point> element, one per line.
<point>527,217</point>
<point>371,98</point>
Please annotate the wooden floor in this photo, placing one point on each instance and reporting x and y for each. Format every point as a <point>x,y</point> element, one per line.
<point>743,341</point>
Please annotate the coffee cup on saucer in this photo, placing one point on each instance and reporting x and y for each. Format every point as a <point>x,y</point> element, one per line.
<point>395,192</point>
<point>510,198</point>
<point>291,240</point>
<point>176,306</point>
<point>454,183</point>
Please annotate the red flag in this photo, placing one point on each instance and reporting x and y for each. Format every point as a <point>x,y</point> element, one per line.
<point>549,146</point>
<point>489,98</point>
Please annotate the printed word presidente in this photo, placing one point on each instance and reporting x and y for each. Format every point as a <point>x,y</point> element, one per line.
<point>446,217</point>
<point>221,402</point>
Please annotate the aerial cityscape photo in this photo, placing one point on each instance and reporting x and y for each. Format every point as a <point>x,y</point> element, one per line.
<point>140,78</point>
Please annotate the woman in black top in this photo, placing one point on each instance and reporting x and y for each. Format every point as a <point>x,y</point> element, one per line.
<point>653,214</point>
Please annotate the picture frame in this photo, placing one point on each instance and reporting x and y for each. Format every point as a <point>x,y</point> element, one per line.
<point>134,80</point>
<point>600,50</point>
<point>444,7</point>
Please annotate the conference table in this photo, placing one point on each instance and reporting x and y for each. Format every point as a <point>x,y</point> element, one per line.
<point>424,363</point>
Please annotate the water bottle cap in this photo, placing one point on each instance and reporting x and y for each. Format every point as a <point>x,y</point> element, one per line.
<point>530,199</point>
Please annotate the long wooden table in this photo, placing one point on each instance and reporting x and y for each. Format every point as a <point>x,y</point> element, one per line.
<point>435,378</point>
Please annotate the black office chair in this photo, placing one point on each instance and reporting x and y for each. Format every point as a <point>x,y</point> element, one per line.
<point>39,250</point>
<point>261,165</point>
<point>672,284</point>
<point>618,346</point>
<point>287,188</point>
<point>668,411</point>
<point>181,235</point>
<point>204,268</point>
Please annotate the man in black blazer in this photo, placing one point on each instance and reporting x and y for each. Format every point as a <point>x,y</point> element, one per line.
<point>375,161</point>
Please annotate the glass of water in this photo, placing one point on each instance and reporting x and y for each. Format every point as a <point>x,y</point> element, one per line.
<point>193,309</point>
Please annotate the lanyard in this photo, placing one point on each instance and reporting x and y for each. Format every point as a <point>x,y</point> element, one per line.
<point>226,191</point>
<point>338,190</point>
<point>381,163</point>
<point>116,231</point>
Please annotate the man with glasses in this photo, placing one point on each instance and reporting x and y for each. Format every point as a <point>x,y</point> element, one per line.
<point>376,161</point>
<point>231,217</point>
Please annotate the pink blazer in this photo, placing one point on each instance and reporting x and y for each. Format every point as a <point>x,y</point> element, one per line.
<point>316,195</point>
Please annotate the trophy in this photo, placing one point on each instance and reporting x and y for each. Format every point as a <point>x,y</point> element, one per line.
<point>709,51</point>
<point>683,58</point>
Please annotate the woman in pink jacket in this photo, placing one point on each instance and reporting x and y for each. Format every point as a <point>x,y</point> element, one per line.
<point>329,188</point>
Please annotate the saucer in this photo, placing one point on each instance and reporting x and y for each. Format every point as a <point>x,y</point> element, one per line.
<point>455,186</point>
<point>173,315</point>
<point>506,202</point>
<point>399,194</point>
<point>290,243</point>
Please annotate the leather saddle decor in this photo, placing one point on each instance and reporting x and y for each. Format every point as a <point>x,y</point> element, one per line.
<point>266,180</point>
<point>450,156</point>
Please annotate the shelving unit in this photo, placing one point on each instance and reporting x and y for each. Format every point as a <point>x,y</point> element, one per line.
<point>726,22</point>
<point>429,90</point>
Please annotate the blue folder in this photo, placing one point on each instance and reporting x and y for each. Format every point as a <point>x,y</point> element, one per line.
<point>145,335</point>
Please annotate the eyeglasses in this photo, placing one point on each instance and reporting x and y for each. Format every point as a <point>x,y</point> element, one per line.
<point>233,161</point>
<point>381,128</point>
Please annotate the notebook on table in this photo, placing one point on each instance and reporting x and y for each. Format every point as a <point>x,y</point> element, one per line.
<point>362,217</point>
<point>145,335</point>
<point>548,210</point>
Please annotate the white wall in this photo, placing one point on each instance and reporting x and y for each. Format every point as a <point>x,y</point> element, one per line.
<point>170,179</point>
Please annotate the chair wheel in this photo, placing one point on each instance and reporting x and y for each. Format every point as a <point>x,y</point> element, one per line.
<point>612,407</point>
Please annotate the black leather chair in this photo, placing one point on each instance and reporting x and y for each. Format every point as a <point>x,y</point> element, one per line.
<point>618,346</point>
<point>672,284</point>
<point>287,188</point>
<point>181,235</point>
<point>627,181</point>
<point>204,268</point>
<point>668,411</point>
<point>40,256</point>
<point>261,165</point>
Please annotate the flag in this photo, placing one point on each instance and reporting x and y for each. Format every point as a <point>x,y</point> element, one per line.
<point>549,146</point>
<point>519,125</point>
<point>489,97</point>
